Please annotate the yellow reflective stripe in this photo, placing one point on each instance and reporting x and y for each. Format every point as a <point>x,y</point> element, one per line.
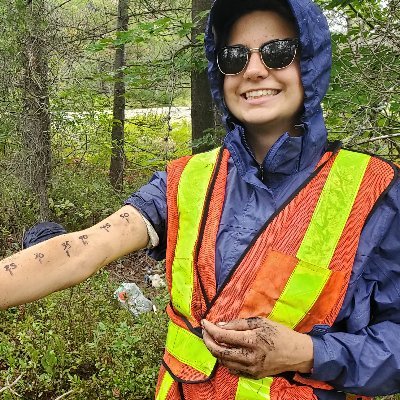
<point>165,386</point>
<point>197,174</point>
<point>333,208</point>
<point>319,243</point>
<point>189,349</point>
<point>253,389</point>
<point>302,290</point>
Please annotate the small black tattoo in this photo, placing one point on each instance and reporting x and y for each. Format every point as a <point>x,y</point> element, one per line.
<point>10,268</point>
<point>84,239</point>
<point>107,226</point>
<point>67,247</point>
<point>39,257</point>
<point>125,216</point>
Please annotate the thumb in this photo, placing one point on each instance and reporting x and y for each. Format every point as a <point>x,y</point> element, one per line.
<point>242,324</point>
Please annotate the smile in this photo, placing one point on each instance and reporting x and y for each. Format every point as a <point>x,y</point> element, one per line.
<point>254,94</point>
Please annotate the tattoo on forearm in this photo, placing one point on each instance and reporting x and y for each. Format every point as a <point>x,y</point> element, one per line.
<point>84,239</point>
<point>67,247</point>
<point>125,216</point>
<point>39,257</point>
<point>10,267</point>
<point>106,227</point>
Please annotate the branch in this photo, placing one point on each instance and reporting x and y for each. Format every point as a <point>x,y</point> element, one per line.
<point>10,385</point>
<point>378,138</point>
<point>361,16</point>
<point>64,395</point>
<point>59,6</point>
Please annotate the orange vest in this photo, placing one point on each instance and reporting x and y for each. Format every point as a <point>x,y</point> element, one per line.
<point>281,256</point>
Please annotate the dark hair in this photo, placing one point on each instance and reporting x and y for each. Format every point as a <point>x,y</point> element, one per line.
<point>227,12</point>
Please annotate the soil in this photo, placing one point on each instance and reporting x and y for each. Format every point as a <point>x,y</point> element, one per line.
<point>136,267</point>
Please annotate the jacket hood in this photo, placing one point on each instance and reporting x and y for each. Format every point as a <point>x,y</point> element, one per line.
<point>315,65</point>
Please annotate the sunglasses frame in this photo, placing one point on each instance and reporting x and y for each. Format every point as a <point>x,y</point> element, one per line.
<point>249,51</point>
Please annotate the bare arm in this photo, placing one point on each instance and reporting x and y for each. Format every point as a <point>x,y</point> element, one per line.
<point>67,260</point>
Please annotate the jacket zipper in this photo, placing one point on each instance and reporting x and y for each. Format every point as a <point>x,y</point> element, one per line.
<point>261,168</point>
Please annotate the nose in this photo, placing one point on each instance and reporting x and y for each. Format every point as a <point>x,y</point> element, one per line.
<point>255,68</point>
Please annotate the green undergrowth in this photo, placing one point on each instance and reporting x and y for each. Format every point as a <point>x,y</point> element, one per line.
<point>81,340</point>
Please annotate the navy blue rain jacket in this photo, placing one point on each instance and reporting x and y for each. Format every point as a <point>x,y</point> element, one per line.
<point>360,353</point>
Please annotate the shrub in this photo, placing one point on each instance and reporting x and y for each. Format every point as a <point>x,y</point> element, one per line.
<point>81,340</point>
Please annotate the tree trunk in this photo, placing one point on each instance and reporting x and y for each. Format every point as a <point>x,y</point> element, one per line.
<point>202,112</point>
<point>36,118</point>
<point>117,164</point>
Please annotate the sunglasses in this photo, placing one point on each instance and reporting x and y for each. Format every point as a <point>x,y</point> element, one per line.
<point>276,54</point>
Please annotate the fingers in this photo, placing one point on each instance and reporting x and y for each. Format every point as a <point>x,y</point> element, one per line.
<point>241,324</point>
<point>224,353</point>
<point>230,337</point>
<point>236,333</point>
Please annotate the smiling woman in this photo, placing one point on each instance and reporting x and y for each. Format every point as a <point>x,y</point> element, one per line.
<point>267,101</point>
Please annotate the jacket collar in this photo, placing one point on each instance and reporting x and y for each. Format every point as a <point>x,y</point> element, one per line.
<point>287,156</point>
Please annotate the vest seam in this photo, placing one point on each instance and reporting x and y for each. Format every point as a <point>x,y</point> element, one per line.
<point>179,380</point>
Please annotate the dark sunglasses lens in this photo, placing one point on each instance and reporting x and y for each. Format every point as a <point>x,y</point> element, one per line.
<point>278,54</point>
<point>232,60</point>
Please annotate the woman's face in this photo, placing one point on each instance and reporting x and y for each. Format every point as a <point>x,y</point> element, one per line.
<point>264,100</point>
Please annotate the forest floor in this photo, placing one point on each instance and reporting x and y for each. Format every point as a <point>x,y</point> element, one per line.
<point>137,267</point>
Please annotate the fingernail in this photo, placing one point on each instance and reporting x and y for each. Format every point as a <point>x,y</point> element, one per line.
<point>202,322</point>
<point>221,323</point>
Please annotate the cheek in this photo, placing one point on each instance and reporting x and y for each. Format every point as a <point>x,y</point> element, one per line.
<point>230,86</point>
<point>297,83</point>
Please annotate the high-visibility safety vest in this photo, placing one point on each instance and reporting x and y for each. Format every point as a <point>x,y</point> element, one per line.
<point>295,271</point>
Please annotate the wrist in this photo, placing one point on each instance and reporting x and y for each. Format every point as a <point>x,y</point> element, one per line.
<point>305,350</point>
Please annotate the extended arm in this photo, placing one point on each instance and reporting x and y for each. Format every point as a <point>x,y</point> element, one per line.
<point>69,259</point>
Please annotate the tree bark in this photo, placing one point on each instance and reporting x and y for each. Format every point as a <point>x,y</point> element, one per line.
<point>117,164</point>
<point>202,113</point>
<point>36,119</point>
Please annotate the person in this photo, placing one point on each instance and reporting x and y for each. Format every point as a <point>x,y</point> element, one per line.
<point>282,250</point>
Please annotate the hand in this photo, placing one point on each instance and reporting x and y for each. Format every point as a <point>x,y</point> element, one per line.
<point>258,347</point>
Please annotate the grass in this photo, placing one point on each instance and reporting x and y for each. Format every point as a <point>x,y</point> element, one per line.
<point>82,341</point>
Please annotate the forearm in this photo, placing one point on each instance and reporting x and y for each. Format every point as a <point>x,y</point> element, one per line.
<point>66,260</point>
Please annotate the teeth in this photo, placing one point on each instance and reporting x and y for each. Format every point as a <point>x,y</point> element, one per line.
<point>259,93</point>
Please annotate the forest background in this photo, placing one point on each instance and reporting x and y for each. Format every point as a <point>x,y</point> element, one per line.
<point>72,148</point>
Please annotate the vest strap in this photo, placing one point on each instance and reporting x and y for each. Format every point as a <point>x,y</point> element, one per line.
<point>189,349</point>
<point>197,174</point>
<point>333,208</point>
<point>253,389</point>
<point>166,383</point>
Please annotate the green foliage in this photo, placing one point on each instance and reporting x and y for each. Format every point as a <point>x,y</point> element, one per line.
<point>362,104</point>
<point>82,340</point>
<point>18,210</point>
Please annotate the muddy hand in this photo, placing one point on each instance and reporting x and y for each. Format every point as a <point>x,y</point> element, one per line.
<point>258,347</point>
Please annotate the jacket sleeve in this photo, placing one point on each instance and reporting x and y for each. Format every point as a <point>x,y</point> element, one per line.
<point>361,353</point>
<point>151,201</point>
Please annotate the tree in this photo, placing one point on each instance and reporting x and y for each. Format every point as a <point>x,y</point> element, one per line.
<point>36,113</point>
<point>202,111</point>
<point>117,134</point>
<point>362,106</point>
